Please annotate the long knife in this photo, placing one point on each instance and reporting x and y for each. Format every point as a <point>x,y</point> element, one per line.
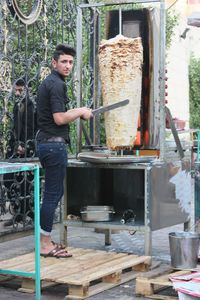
<point>108,107</point>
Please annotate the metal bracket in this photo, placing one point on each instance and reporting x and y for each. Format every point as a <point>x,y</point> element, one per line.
<point>174,132</point>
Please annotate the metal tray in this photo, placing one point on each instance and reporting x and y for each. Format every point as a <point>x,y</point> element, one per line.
<point>97,213</point>
<point>100,158</point>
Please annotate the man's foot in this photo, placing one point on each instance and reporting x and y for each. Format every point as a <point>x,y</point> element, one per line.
<point>60,246</point>
<point>57,252</point>
<point>48,248</point>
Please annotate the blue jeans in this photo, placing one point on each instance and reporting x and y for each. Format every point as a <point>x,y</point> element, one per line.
<point>53,158</point>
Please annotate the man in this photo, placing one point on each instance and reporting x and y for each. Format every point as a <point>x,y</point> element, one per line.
<point>52,138</point>
<point>20,145</point>
<point>24,123</point>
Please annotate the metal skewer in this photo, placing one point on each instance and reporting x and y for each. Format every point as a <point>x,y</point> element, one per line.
<point>120,20</point>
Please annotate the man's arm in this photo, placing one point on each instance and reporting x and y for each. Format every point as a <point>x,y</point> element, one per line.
<point>61,118</point>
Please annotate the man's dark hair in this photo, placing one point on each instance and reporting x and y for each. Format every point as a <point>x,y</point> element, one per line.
<point>63,49</point>
<point>20,82</point>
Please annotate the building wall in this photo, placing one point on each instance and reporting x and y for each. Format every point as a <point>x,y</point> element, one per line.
<point>178,58</point>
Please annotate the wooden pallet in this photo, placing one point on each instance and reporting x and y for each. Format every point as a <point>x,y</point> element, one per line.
<point>86,273</point>
<point>151,283</point>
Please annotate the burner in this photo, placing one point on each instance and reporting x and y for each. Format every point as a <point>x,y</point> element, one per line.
<point>108,157</point>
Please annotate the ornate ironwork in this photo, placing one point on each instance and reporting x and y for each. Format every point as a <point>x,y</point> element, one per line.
<point>5,71</point>
<point>16,7</point>
<point>29,32</point>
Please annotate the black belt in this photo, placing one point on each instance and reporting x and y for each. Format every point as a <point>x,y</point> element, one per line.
<point>54,139</point>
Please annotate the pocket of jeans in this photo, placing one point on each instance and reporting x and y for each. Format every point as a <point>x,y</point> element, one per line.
<point>53,154</point>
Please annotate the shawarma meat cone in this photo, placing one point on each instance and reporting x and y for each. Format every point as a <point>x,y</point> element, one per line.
<point>120,64</point>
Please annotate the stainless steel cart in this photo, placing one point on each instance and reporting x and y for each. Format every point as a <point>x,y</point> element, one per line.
<point>158,189</point>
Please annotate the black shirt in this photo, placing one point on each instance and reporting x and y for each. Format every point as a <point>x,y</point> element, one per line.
<point>52,98</point>
<point>24,128</point>
<point>24,120</point>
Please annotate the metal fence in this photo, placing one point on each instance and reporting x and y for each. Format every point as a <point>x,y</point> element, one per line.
<point>29,32</point>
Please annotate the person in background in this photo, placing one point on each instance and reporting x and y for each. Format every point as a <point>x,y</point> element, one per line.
<point>53,120</point>
<point>24,120</point>
<point>24,123</point>
<point>21,145</point>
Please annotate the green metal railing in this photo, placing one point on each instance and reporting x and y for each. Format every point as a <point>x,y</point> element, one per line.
<point>6,168</point>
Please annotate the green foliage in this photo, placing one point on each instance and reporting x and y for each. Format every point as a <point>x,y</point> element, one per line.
<point>172,20</point>
<point>194,80</point>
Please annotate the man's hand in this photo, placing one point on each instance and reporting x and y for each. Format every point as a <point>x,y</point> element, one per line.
<point>86,113</point>
<point>61,118</point>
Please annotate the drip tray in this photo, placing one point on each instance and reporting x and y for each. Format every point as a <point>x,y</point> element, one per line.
<point>103,158</point>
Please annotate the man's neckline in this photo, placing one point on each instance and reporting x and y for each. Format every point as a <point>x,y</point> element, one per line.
<point>58,74</point>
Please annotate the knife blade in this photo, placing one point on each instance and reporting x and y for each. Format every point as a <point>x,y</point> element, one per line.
<point>108,107</point>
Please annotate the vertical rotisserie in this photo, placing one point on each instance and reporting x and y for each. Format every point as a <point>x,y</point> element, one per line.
<point>120,63</point>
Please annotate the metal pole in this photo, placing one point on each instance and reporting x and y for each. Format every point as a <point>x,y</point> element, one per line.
<point>79,73</point>
<point>37,231</point>
<point>120,20</point>
<point>162,79</point>
<point>147,201</point>
<point>96,120</point>
<point>118,3</point>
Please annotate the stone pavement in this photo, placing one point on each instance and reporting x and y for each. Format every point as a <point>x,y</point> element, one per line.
<point>122,241</point>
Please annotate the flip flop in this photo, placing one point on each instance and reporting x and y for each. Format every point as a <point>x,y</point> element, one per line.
<point>61,246</point>
<point>57,253</point>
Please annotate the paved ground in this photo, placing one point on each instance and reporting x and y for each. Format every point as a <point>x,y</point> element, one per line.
<point>122,241</point>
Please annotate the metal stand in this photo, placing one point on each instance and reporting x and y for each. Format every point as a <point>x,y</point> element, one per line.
<point>6,168</point>
<point>157,180</point>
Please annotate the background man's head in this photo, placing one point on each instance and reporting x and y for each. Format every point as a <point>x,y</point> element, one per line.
<point>19,87</point>
<point>63,59</point>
